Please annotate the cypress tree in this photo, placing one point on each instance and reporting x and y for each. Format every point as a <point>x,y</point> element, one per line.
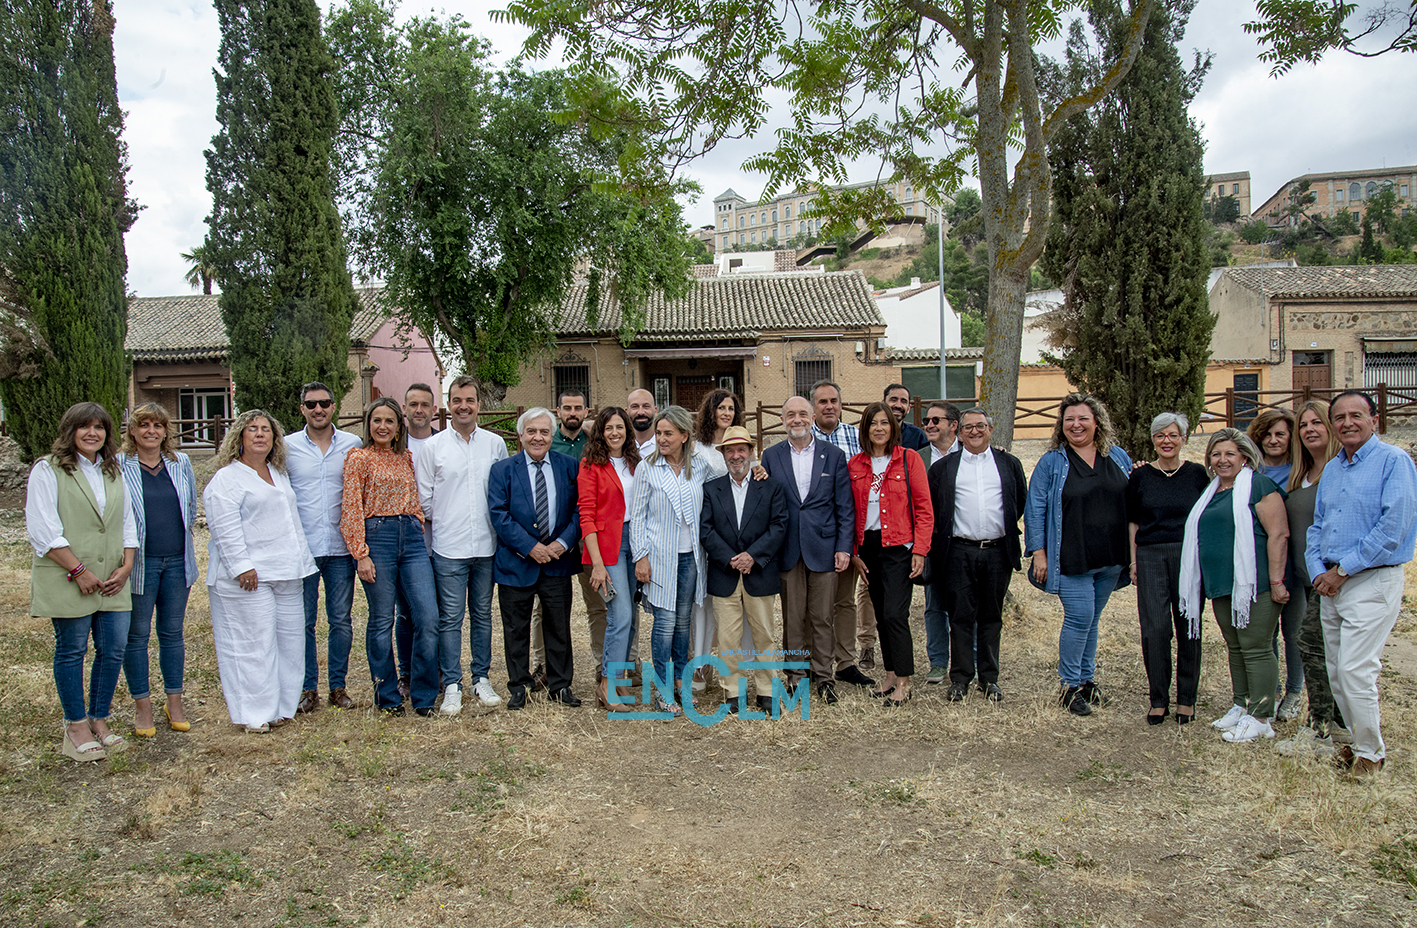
<point>1127,238</point>
<point>273,237</point>
<point>64,208</point>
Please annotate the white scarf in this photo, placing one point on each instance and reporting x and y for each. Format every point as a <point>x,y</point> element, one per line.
<point>1246,577</point>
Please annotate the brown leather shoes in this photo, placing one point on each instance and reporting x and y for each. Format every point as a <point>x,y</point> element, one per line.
<point>1342,759</point>
<point>538,679</point>
<point>309,702</point>
<point>341,699</point>
<point>1364,768</point>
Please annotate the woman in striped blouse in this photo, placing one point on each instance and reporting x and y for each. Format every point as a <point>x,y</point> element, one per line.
<point>382,525</point>
<point>664,540</point>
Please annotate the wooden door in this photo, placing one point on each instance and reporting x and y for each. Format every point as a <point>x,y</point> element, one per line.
<point>1312,370</point>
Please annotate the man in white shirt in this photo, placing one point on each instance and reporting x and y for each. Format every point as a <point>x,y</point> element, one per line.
<point>942,428</point>
<point>978,495</point>
<point>451,469</point>
<point>315,459</point>
<point>642,409</point>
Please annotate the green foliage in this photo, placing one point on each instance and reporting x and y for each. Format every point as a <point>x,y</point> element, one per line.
<point>1369,250</point>
<point>1295,31</point>
<point>1221,210</point>
<point>695,251</point>
<point>201,273</point>
<point>274,235</point>
<point>971,329</point>
<point>1382,208</point>
<point>1254,231</point>
<point>1343,223</point>
<point>965,207</point>
<point>64,208</point>
<point>1314,255</point>
<point>475,196</point>
<point>1217,245</point>
<point>1300,199</point>
<point>1128,239</point>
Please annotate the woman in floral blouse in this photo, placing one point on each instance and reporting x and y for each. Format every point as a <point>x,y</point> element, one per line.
<point>382,524</point>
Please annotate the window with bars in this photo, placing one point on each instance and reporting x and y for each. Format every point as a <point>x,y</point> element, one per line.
<point>572,376</point>
<point>806,373</point>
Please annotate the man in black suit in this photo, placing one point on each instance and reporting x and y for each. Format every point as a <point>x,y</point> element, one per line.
<point>978,494</point>
<point>821,533</point>
<point>743,525</point>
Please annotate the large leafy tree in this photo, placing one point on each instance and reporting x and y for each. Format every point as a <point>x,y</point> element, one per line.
<point>861,79</point>
<point>1294,31</point>
<point>1127,237</point>
<point>274,240</point>
<point>64,208</point>
<point>477,202</point>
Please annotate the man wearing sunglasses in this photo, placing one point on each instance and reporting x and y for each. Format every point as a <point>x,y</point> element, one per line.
<point>942,429</point>
<point>315,457</point>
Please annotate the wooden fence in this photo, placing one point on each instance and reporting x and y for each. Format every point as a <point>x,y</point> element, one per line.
<point>1034,417</point>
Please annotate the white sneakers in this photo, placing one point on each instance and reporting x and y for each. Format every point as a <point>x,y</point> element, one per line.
<point>485,693</point>
<point>452,700</point>
<point>1230,719</point>
<point>1289,708</point>
<point>1248,728</point>
<point>1306,743</point>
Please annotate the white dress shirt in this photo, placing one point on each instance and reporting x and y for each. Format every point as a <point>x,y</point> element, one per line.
<point>42,523</point>
<point>645,447</point>
<point>254,526</point>
<point>627,481</point>
<point>452,489</point>
<point>318,480</point>
<point>740,494</point>
<point>802,463</point>
<point>550,478</point>
<point>937,455</point>
<point>979,497</point>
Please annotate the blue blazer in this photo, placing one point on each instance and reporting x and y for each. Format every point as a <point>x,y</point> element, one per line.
<point>512,505</point>
<point>823,523</point>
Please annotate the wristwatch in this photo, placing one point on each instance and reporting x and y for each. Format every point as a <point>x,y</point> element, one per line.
<point>1341,572</point>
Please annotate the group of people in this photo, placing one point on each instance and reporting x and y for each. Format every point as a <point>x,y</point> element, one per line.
<point>1299,526</point>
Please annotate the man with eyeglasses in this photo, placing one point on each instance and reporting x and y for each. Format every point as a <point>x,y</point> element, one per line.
<point>978,494</point>
<point>315,459</point>
<point>942,430</point>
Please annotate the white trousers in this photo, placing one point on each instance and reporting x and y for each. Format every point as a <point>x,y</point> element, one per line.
<point>1356,623</point>
<point>260,648</point>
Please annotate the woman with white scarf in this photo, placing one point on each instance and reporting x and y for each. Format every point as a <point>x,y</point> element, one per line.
<point>1241,573</point>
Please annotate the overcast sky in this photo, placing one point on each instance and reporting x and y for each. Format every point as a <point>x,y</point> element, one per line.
<point>1345,114</point>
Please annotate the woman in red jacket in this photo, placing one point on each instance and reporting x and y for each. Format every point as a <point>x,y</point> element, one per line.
<point>894,522</point>
<point>607,484</point>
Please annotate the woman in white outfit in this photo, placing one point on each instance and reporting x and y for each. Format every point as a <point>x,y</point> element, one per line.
<point>256,561</point>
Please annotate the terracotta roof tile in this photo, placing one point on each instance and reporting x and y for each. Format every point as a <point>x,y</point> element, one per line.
<point>1381,280</point>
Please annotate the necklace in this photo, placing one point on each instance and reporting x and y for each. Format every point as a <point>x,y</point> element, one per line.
<point>1169,473</point>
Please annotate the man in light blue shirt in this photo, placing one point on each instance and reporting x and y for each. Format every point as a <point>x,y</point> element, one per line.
<point>1364,530</point>
<point>315,461</point>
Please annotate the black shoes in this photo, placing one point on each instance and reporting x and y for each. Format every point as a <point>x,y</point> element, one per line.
<point>517,700</point>
<point>424,711</point>
<point>827,691</point>
<point>1093,694</point>
<point>393,712</point>
<point>1074,701</point>
<point>565,697</point>
<point>957,692</point>
<point>854,676</point>
<point>992,692</point>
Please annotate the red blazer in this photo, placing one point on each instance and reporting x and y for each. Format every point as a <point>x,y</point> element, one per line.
<point>602,505</point>
<point>896,528</point>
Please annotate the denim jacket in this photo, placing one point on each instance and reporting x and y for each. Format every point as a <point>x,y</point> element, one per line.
<point>1042,513</point>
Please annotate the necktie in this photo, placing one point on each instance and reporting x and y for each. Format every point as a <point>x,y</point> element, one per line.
<point>543,509</point>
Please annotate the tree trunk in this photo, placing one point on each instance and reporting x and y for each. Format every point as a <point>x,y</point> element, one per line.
<point>1003,343</point>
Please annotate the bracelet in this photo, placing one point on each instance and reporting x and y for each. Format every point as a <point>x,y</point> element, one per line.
<point>75,572</point>
<point>1276,583</point>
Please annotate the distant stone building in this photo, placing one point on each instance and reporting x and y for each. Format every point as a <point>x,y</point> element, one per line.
<point>1235,184</point>
<point>1341,190</point>
<point>179,350</point>
<point>738,221</point>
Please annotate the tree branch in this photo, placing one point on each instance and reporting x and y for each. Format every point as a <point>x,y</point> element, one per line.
<point>1076,104</point>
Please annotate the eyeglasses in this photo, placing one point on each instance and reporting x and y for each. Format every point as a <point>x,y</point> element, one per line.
<point>937,420</point>
<point>975,427</point>
<point>319,404</point>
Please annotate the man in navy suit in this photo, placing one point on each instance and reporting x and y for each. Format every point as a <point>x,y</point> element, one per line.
<point>532,500</point>
<point>978,493</point>
<point>821,529</point>
<point>743,525</point>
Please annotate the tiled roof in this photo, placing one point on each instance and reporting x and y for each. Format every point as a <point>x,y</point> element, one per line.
<point>742,307</point>
<point>783,261</point>
<point>189,328</point>
<point>702,271</point>
<point>1233,175</point>
<point>1382,280</point>
<point>899,355</point>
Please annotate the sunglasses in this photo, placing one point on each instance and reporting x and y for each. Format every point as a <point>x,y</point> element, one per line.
<point>319,404</point>
<point>936,420</point>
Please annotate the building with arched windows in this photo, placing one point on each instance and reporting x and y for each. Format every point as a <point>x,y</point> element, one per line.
<point>1338,191</point>
<point>781,219</point>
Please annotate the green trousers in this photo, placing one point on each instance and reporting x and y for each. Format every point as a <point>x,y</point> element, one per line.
<point>1254,669</point>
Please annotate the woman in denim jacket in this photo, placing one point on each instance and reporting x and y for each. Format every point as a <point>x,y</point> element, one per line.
<point>1075,527</point>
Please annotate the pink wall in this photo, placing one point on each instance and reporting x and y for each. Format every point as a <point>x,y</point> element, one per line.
<point>397,371</point>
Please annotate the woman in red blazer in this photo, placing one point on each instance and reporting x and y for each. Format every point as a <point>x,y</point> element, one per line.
<point>894,522</point>
<point>606,485</point>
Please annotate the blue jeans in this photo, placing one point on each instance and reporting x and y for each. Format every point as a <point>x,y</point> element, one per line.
<point>937,629</point>
<point>621,613</point>
<point>71,643</point>
<point>1291,623</point>
<point>338,572</point>
<point>464,583</point>
<point>403,636</point>
<point>669,638</point>
<point>1084,597</point>
<point>401,569</point>
<point>164,588</point>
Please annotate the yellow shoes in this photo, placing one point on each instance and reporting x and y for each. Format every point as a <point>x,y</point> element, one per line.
<point>175,726</point>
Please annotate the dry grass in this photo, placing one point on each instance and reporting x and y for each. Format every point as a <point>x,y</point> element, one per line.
<point>939,814</point>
